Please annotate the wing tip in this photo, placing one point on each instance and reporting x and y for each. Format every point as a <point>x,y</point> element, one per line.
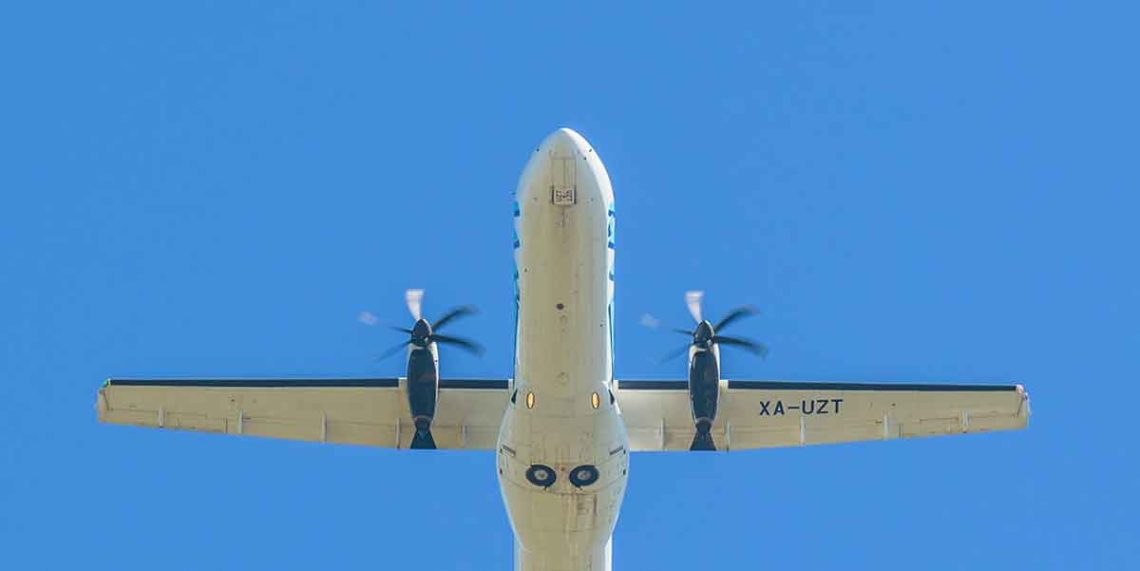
<point>101,404</point>
<point>1023,411</point>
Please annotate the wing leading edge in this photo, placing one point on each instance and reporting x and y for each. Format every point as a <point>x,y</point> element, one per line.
<point>363,411</point>
<point>768,414</point>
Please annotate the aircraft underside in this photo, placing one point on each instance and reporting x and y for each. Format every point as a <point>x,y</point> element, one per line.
<point>567,425</point>
<point>563,428</point>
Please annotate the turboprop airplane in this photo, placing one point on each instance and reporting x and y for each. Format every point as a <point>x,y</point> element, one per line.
<point>563,428</point>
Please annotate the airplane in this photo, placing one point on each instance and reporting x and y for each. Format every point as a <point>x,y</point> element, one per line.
<point>563,428</point>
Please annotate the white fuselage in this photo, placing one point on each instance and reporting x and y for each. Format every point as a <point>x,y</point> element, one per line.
<point>563,453</point>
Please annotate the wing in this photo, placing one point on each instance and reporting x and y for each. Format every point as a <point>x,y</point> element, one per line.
<point>370,412</point>
<point>768,414</point>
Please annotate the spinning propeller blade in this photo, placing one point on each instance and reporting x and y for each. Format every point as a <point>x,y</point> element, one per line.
<point>465,344</point>
<point>423,333</point>
<point>392,351</point>
<point>674,354</point>
<point>705,336</point>
<point>414,298</point>
<point>742,311</point>
<point>752,346</point>
<point>453,314</point>
<point>693,300</point>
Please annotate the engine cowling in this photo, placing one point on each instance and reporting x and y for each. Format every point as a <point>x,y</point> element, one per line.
<point>423,393</point>
<point>704,392</point>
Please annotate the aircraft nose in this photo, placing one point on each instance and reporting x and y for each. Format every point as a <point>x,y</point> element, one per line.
<point>564,170</point>
<point>565,142</point>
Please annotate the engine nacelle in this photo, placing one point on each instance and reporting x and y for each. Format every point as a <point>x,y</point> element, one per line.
<point>704,392</point>
<point>704,365</point>
<point>422,383</point>
<point>423,392</point>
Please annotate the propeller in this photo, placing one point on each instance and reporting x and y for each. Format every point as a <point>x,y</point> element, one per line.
<point>423,333</point>
<point>415,299</point>
<point>705,334</point>
<point>693,299</point>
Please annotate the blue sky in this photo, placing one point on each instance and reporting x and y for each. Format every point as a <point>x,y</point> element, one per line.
<point>909,191</point>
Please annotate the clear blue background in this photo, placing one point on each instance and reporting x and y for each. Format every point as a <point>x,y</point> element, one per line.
<point>911,192</point>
